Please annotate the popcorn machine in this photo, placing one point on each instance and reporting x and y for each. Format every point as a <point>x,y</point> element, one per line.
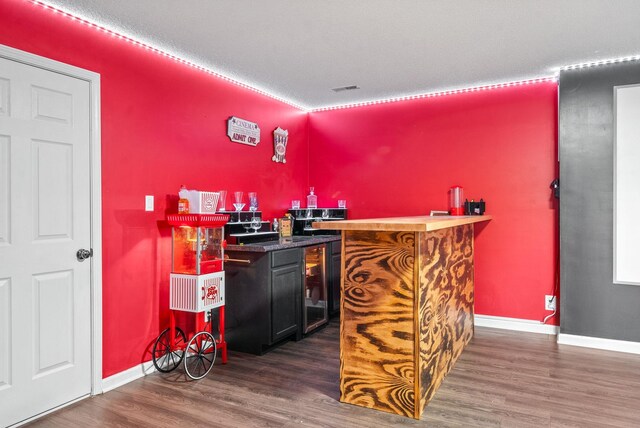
<point>196,285</point>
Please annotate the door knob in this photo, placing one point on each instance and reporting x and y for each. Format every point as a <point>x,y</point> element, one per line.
<point>83,254</point>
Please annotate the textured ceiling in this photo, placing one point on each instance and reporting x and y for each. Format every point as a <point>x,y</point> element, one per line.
<point>301,49</point>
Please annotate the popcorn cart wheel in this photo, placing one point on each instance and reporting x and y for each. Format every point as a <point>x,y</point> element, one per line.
<point>196,286</point>
<point>200,355</point>
<point>166,357</point>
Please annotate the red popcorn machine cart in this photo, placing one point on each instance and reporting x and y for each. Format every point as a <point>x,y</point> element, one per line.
<point>197,286</point>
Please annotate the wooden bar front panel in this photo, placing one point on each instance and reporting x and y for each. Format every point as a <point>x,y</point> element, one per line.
<point>445,304</point>
<point>377,340</point>
<point>407,313</point>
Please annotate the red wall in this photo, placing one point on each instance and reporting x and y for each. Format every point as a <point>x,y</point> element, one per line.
<point>163,125</point>
<point>401,158</point>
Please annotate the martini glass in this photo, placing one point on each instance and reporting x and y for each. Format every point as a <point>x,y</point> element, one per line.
<point>238,204</point>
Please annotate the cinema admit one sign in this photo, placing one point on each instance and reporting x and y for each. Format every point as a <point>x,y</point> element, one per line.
<point>242,131</point>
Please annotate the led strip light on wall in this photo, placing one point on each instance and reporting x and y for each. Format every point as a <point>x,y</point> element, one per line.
<point>601,62</point>
<point>254,88</point>
<point>163,53</point>
<point>553,78</point>
<point>442,93</point>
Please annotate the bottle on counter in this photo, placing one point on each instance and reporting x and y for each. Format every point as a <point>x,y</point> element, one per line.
<point>456,198</point>
<point>275,224</point>
<point>183,202</point>
<point>312,200</point>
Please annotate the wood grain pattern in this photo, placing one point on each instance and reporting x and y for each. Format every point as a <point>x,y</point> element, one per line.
<point>377,331</point>
<point>402,224</point>
<point>445,304</point>
<point>407,315</point>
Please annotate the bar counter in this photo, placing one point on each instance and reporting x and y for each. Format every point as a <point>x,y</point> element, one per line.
<point>293,242</point>
<point>406,307</point>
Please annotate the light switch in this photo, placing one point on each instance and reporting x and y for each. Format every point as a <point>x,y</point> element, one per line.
<point>148,203</point>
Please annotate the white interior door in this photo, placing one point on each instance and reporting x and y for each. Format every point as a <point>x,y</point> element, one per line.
<point>45,324</point>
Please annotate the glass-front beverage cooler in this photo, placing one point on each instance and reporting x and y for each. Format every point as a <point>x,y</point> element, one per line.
<point>315,288</point>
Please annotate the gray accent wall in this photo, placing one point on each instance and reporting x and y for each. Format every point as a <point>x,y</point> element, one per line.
<point>590,304</point>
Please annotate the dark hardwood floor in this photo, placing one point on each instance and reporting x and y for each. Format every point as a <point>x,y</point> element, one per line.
<point>503,378</point>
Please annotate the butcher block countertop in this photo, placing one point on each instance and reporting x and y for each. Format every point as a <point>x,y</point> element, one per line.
<point>402,224</point>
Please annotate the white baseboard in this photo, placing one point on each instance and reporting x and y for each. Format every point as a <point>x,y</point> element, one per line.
<point>599,343</point>
<point>532,326</point>
<point>517,324</point>
<point>129,375</point>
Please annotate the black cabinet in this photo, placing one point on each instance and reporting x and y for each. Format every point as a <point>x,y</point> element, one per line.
<point>285,301</point>
<point>334,264</point>
<point>263,299</point>
<point>267,292</point>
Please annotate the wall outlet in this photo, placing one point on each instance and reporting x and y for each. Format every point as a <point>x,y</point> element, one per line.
<point>549,302</point>
<point>148,203</point>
